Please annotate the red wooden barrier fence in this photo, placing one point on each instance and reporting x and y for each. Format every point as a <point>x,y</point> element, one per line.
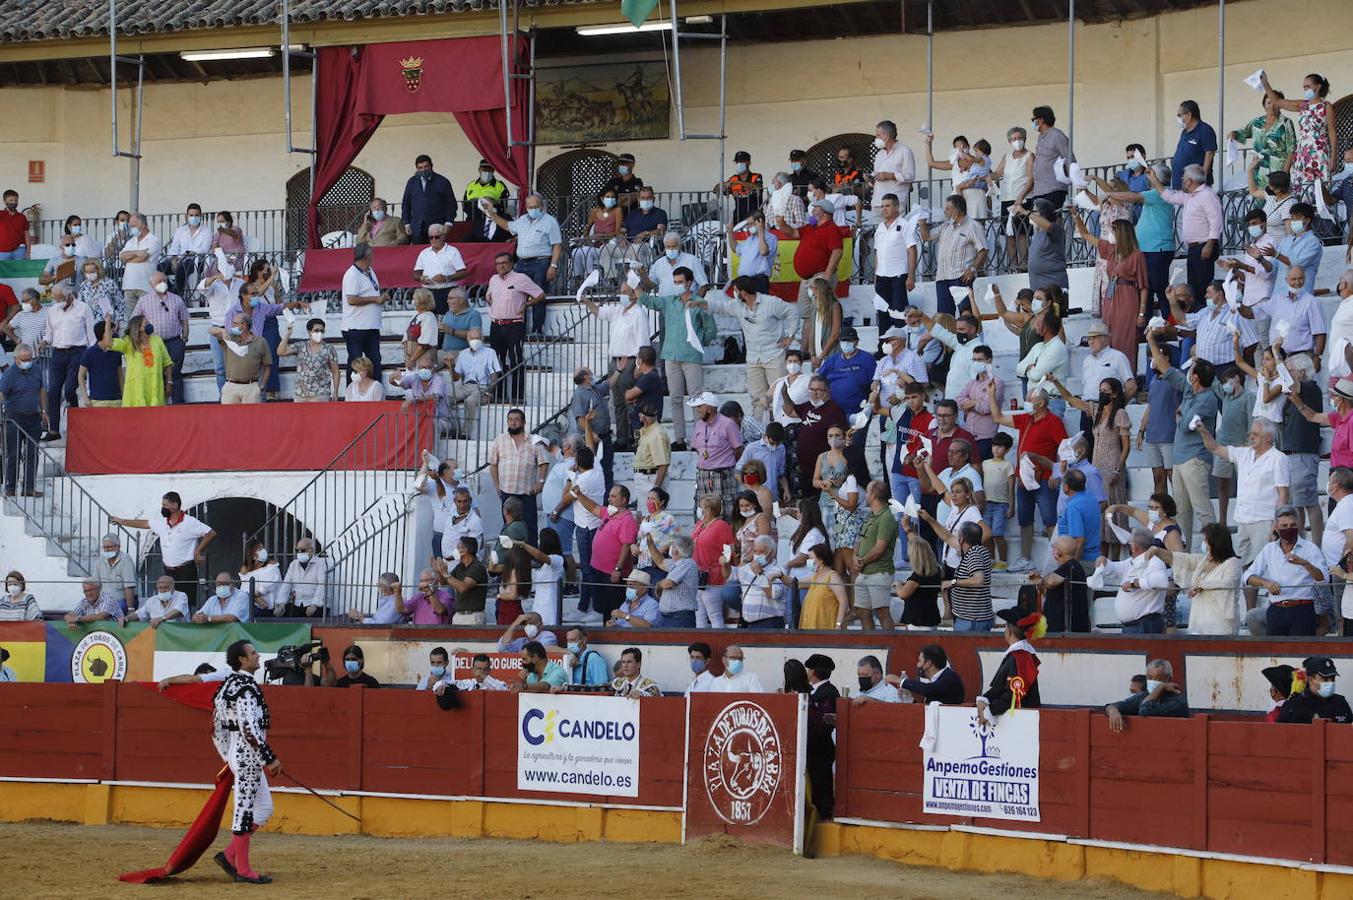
<point>1246,788</point>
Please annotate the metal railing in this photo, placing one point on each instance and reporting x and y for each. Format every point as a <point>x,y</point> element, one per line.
<point>66,516</point>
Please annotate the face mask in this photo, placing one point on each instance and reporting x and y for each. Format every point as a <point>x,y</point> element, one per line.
<point>762,560</point>
<point>535,212</point>
<point>458,475</point>
<point>1180,120</point>
<point>352,665</point>
<point>528,667</point>
<point>1229,388</point>
<point>358,377</point>
<point>836,443</point>
<point>317,336</point>
<point>425,375</point>
<point>475,344</point>
<point>1153,516</point>
<point>25,366</point>
<point>486,177</point>
<point>194,221</point>
<point>796,167</point>
<point>262,555</point>
<point>161,288</point>
<point>847,346</point>
<point>652,506</point>
<point>672,254</point>
<point>964,338</point>
<point>734,666</point>
<point>608,202</point>
<point>612,509</point>
<point>623,170</point>
<point>1288,534</point>
<point>740,168</point>
<point>1325,689</point>
<point>1308,94</point>
<point>221,226</point>
<point>631,594</point>
<point>1255,230</point>
<point>575,647</point>
<point>1038,305</point>
<point>1151,685</point>
<point>878,143</point>
<point>123,226</point>
<point>303,557</point>
<point>812,220</point>
<point>751,478</point>
<point>14,589</point>
<point>866,682</point>
<point>793,368</point>
<point>698,666</point>
<point>812,564</point>
<point>378,214</point>
<point>816,402</point>
<point>164,596</point>
<point>438,671</point>
<point>1033,123</point>
<point>532,631</point>
<point>91,277</point>
<point>236,331</point>
<point>1298,226</point>
<point>76,229</point>
<point>223,591</point>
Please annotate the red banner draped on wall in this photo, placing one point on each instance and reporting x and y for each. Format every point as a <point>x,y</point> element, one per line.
<point>357,87</point>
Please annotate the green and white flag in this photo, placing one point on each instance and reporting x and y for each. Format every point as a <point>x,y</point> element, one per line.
<point>637,10</point>
<point>21,273</point>
<point>179,649</point>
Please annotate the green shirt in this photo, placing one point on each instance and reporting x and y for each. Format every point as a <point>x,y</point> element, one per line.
<point>675,346</point>
<point>517,530</point>
<point>881,526</point>
<point>554,675</point>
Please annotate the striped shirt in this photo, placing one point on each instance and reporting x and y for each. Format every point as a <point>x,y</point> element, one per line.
<point>1214,337</point>
<point>958,247</point>
<point>19,608</point>
<point>105,604</point>
<point>973,603</point>
<point>755,604</point>
<point>166,312</point>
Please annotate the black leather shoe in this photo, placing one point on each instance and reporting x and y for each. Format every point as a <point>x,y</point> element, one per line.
<point>255,879</point>
<point>225,864</point>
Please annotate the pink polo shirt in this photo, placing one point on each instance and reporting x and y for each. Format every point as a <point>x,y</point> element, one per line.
<point>508,295</point>
<point>615,532</point>
<point>1341,450</point>
<point>422,611</point>
<point>716,443</point>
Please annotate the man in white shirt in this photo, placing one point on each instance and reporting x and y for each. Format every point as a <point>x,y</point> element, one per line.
<point>1337,540</point>
<point>68,332</point>
<point>462,523</point>
<point>227,604</point>
<point>438,670</point>
<point>734,680</point>
<point>183,541</point>
<point>188,250</point>
<point>303,586</point>
<point>1048,357</point>
<point>1292,570</point>
<point>700,654</point>
<point>1258,269</point>
<point>481,680</point>
<point>1140,604</point>
<point>873,688</point>
<point>165,605</point>
<point>362,299</point>
<point>1263,483</point>
<point>631,325</point>
<point>139,256</point>
<point>439,267</point>
<point>895,252</point>
<point>1103,362</point>
<point>894,167</point>
<point>551,495</point>
<point>658,278</point>
<point>472,378</point>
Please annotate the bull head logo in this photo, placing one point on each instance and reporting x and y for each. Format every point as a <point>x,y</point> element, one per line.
<point>412,69</point>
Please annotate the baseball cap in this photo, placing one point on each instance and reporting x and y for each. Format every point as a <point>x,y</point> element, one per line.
<point>1320,665</point>
<point>703,399</point>
<point>825,205</point>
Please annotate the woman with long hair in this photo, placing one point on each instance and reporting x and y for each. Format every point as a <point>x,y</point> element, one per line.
<point>811,532</point>
<point>826,606</point>
<point>1212,580</point>
<point>263,277</point>
<point>603,225</point>
<point>841,497</point>
<point>147,364</point>
<point>547,575</point>
<point>822,329</point>
<point>1316,137</point>
<point>515,586</point>
<point>1112,444</point>
<point>1127,292</point>
<point>920,593</point>
<point>796,678</point>
<point>261,576</point>
<point>712,533</point>
<point>1273,140</point>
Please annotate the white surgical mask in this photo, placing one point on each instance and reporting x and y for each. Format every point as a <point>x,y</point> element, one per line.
<point>68,249</point>
<point>91,277</point>
<point>303,557</point>
<point>532,631</point>
<point>878,142</point>
<point>109,554</point>
<point>475,344</point>
<point>645,205</point>
<point>262,555</point>
<point>486,177</point>
<point>164,596</point>
<point>317,336</point>
<point>14,589</point>
<point>612,508</point>
<point>762,559</point>
<point>812,564</point>
<point>1151,685</point>
<point>1017,143</point>
<point>1038,305</point>
<point>1180,121</point>
<point>1153,516</point>
<point>793,368</point>
<point>161,287</point>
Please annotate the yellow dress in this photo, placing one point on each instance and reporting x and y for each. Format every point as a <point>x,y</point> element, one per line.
<point>144,384</point>
<point>819,609</point>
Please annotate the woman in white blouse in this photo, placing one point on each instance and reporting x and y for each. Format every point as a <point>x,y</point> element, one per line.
<point>363,387</point>
<point>1212,580</point>
<point>261,576</point>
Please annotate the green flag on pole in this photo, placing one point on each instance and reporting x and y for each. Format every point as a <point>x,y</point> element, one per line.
<point>637,10</point>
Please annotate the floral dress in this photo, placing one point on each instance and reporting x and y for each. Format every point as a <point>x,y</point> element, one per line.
<point>1274,146</point>
<point>104,299</point>
<point>1108,449</point>
<point>314,377</point>
<point>1109,212</point>
<point>845,524</point>
<point>1313,156</point>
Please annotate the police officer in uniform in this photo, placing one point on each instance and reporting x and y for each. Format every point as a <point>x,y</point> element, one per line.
<point>1319,699</point>
<point>486,186</point>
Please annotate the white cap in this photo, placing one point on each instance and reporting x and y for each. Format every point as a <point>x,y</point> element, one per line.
<point>703,399</point>
<point>897,333</point>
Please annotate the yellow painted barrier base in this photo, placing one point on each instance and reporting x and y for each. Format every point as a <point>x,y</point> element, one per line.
<point>103,804</point>
<point>1171,873</point>
<point>1174,873</point>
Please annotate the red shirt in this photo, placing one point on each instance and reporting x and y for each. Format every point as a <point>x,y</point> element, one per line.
<point>920,422</point>
<point>7,299</point>
<point>939,459</point>
<point>709,543</point>
<point>816,243</point>
<point>1042,436</point>
<point>13,230</point>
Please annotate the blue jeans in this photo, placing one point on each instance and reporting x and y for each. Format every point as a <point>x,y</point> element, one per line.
<point>682,619</point>
<point>1149,624</point>
<point>973,624</point>
<point>535,268</point>
<point>903,486</point>
<point>564,528</point>
<point>177,350</point>
<point>273,337</point>
<point>1046,500</point>
<point>218,362</point>
<point>590,578</point>
<point>20,252</point>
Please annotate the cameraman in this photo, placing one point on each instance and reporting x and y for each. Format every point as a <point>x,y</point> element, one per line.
<point>303,672</point>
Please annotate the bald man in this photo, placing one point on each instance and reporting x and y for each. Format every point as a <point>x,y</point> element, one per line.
<point>1066,598</point>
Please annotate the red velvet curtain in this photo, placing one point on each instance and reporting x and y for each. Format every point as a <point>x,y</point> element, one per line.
<point>358,86</point>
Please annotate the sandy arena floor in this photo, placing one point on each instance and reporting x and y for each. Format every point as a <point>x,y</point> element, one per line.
<point>50,860</point>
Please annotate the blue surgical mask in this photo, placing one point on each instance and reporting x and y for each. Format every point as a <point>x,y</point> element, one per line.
<point>672,254</point>
<point>740,168</point>
<point>1325,689</point>
<point>236,331</point>
<point>796,167</point>
<point>698,666</point>
<point>1298,226</point>
<point>25,366</point>
<point>1255,230</point>
<point>535,212</point>
<point>1134,164</point>
<point>847,346</point>
<point>352,665</point>
<point>1308,94</point>
<point>623,170</point>
<point>438,671</point>
<point>194,221</point>
<point>608,202</point>
<point>77,229</point>
<point>223,591</point>
<point>378,214</point>
<point>1152,684</point>
<point>486,177</point>
<point>575,647</point>
<point>631,594</point>
<point>424,374</point>
<point>645,205</point>
<point>734,667</point>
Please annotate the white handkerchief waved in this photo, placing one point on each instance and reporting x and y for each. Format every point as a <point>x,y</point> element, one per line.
<point>1320,206</point>
<point>692,335</point>
<point>1195,422</point>
<point>1232,152</point>
<point>1073,172</point>
<point>1059,170</point>
<point>1122,535</point>
<point>1095,580</point>
<point>911,509</point>
<point>880,304</point>
<point>1285,377</point>
<point>1085,201</point>
<point>1028,473</point>
<point>930,737</point>
<point>237,349</point>
<point>632,279</point>
<point>591,281</point>
<point>1256,80</point>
